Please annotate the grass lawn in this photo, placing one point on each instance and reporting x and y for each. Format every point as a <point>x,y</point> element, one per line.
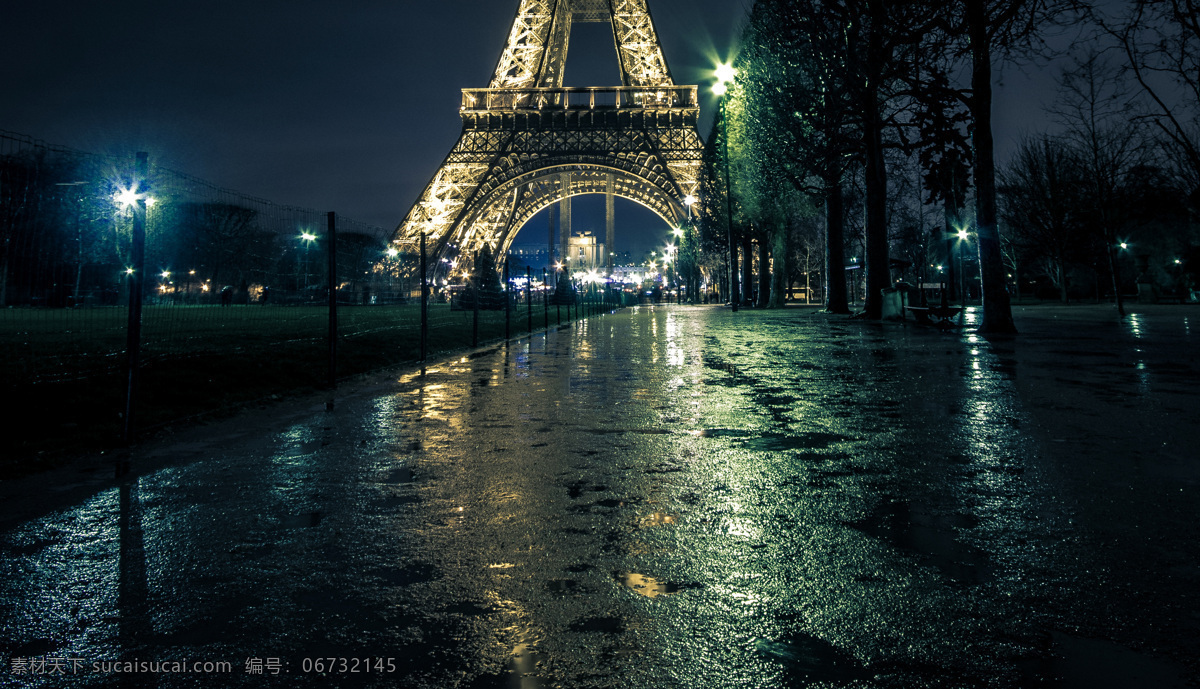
<point>65,367</point>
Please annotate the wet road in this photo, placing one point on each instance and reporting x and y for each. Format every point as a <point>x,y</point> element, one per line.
<point>664,497</point>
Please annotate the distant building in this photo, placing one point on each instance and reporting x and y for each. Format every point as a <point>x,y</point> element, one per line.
<point>585,252</point>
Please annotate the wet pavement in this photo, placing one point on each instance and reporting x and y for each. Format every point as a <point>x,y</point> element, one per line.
<point>663,497</point>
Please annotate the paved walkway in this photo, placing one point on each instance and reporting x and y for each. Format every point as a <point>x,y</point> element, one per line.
<point>665,497</point>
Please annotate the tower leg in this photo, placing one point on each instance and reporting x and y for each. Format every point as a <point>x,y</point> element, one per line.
<point>551,255</point>
<point>564,218</point>
<point>610,234</point>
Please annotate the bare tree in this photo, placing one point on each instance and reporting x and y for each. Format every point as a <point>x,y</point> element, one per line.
<point>1004,29</point>
<point>1043,191</point>
<point>1161,43</point>
<point>1096,113</point>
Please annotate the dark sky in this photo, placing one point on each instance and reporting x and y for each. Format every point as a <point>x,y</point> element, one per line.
<point>340,106</point>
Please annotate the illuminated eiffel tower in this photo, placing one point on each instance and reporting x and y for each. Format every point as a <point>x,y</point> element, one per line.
<point>527,142</point>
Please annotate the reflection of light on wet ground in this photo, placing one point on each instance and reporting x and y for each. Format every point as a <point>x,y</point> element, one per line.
<point>676,356</point>
<point>1136,325</point>
<point>971,316</point>
<point>658,519</point>
<point>645,585</point>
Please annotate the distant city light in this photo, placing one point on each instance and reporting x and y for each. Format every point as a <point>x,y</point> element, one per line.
<point>962,234</point>
<point>307,236</point>
<point>393,252</point>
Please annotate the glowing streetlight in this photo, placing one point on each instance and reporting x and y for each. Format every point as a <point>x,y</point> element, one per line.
<point>678,231</point>
<point>393,252</point>
<point>165,274</point>
<point>725,74</point>
<point>126,197</point>
<point>962,234</point>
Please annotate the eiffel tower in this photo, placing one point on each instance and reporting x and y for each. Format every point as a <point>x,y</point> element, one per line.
<point>527,142</point>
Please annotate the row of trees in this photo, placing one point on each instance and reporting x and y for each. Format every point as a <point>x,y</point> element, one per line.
<point>65,238</point>
<point>871,114</point>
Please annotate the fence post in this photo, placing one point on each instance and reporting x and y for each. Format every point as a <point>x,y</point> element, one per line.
<point>333,321</point>
<point>137,254</point>
<point>424,304</point>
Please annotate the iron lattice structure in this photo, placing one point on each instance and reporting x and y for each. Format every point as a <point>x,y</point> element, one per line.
<point>527,142</point>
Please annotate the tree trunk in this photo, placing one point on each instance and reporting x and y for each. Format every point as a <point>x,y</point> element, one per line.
<point>781,275</point>
<point>747,270</point>
<point>1114,268</point>
<point>764,269</point>
<point>835,248</point>
<point>876,260</point>
<point>1064,296</point>
<point>997,312</point>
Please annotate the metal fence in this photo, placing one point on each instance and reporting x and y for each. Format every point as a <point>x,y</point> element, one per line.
<point>119,284</point>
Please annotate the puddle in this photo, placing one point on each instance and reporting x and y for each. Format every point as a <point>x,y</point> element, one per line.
<point>645,585</point>
<point>720,433</point>
<point>1079,663</point>
<point>604,625</point>
<point>395,500</point>
<point>405,576</point>
<point>307,520</point>
<point>562,585</point>
<point>400,475</point>
<point>467,609</point>
<point>803,441</point>
<point>914,529</point>
<point>808,660</point>
<point>775,442</point>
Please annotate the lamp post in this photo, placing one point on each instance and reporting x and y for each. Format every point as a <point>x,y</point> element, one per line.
<point>307,238</point>
<point>725,75</point>
<point>962,278</point>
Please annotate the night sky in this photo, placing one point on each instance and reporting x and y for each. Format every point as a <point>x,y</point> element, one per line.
<point>335,106</point>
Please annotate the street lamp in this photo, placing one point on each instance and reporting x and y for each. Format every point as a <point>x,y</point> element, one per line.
<point>725,74</point>
<point>963,236</point>
<point>308,238</point>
